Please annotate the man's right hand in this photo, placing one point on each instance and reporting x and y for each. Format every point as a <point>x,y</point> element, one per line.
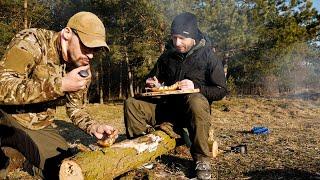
<point>72,81</point>
<point>152,82</point>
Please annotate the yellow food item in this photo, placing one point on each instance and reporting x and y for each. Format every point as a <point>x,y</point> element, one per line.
<point>173,87</point>
<point>107,141</point>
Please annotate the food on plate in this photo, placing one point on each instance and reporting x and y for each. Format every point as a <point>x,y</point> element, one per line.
<point>173,87</point>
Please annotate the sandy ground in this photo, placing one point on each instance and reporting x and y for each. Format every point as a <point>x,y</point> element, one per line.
<point>291,149</point>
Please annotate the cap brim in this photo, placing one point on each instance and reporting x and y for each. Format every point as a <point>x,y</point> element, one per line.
<point>92,41</point>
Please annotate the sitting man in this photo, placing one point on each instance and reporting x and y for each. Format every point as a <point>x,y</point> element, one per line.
<point>40,71</point>
<point>189,60</point>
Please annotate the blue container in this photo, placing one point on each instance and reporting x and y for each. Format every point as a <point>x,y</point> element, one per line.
<point>260,130</point>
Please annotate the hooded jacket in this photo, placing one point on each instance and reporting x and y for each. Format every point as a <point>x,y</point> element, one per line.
<point>199,65</point>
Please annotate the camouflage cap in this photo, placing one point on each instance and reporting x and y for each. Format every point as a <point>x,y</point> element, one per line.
<point>90,29</point>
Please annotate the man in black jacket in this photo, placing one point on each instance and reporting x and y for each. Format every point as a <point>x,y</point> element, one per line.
<point>189,60</point>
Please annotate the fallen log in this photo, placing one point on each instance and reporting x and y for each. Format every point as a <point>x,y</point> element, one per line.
<point>108,163</point>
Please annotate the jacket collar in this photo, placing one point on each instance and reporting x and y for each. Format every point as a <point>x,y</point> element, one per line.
<point>201,44</point>
<point>172,50</point>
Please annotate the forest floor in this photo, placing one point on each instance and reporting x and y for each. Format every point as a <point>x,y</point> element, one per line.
<point>291,149</point>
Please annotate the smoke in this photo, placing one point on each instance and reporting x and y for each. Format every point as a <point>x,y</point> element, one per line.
<point>299,71</point>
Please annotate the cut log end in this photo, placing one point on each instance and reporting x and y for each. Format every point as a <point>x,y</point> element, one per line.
<point>70,170</point>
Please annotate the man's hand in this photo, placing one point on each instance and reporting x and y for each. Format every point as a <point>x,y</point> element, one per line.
<point>152,82</point>
<point>103,130</point>
<point>167,127</point>
<point>186,84</point>
<point>72,81</point>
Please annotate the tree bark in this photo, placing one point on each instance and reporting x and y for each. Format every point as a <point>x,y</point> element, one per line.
<point>101,83</point>
<point>120,82</point>
<point>25,7</point>
<point>111,162</point>
<point>109,80</point>
<point>130,78</point>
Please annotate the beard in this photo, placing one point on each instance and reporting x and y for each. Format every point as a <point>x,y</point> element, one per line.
<point>78,61</point>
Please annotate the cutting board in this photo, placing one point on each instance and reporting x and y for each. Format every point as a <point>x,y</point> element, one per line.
<point>163,93</point>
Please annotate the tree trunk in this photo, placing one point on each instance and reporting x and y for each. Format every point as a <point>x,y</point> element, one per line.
<point>120,83</point>
<point>25,7</point>
<point>109,80</point>
<point>101,84</point>
<point>111,162</point>
<point>97,80</point>
<point>130,78</point>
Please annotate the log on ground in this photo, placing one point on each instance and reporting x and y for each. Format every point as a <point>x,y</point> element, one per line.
<point>122,157</point>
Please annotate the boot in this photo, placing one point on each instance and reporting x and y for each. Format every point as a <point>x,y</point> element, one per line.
<point>4,164</point>
<point>203,170</point>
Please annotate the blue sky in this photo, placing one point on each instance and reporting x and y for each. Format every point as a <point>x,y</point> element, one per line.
<point>316,4</point>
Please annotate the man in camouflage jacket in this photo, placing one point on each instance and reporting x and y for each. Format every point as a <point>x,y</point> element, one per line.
<point>38,72</point>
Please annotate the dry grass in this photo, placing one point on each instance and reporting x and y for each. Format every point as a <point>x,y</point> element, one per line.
<point>290,151</point>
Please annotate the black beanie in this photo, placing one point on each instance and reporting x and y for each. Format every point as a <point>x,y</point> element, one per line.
<point>185,24</point>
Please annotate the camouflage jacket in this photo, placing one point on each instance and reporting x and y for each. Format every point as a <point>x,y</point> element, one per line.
<point>31,72</point>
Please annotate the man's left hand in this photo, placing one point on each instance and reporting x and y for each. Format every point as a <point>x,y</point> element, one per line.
<point>167,127</point>
<point>186,84</point>
<point>99,130</point>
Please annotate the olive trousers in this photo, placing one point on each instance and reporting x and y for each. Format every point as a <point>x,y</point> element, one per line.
<point>191,111</point>
<point>43,149</point>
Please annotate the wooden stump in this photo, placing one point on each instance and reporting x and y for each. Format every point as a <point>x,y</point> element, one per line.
<point>16,158</point>
<point>111,162</point>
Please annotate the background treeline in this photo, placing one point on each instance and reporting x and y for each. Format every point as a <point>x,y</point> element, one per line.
<point>268,47</point>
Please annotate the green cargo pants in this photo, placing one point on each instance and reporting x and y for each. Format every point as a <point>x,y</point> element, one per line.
<point>44,149</point>
<point>190,111</point>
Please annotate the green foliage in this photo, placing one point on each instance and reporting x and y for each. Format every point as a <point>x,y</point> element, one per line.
<point>6,35</point>
<point>257,39</point>
<point>227,26</point>
<point>276,26</point>
<point>168,9</point>
<point>12,14</point>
